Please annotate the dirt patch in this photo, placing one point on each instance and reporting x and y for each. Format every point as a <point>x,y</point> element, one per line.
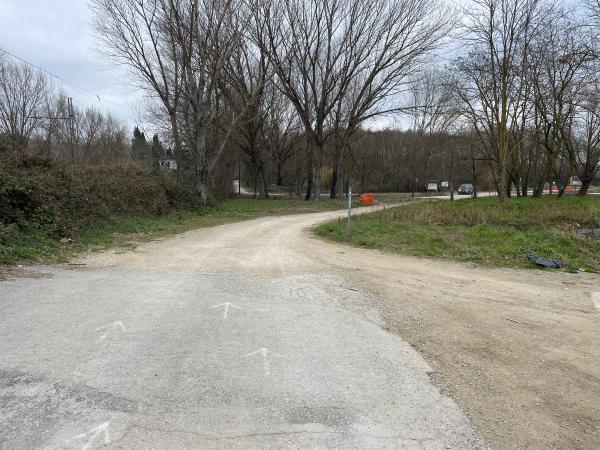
<point>522,361</point>
<point>11,273</point>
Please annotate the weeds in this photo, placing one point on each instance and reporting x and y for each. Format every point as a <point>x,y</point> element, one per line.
<point>483,231</point>
<point>29,243</point>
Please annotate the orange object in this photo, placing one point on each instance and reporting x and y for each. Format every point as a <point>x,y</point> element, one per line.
<point>367,198</point>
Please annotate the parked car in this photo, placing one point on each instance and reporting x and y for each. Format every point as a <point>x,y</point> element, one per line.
<point>465,189</point>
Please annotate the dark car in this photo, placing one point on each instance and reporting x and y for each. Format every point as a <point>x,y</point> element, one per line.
<point>465,189</point>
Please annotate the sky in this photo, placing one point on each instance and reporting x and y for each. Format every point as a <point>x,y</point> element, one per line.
<point>56,35</point>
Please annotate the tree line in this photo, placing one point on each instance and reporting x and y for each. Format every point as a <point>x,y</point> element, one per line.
<point>501,93</point>
<point>527,86</point>
<point>269,74</point>
<point>38,118</point>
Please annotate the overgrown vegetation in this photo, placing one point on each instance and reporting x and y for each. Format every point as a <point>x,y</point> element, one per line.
<point>483,231</point>
<point>48,213</point>
<point>62,201</point>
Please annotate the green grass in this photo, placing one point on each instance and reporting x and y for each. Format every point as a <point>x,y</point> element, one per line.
<point>20,245</point>
<point>482,231</point>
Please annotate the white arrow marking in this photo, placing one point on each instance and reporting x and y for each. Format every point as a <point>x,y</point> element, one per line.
<point>596,300</point>
<point>111,327</point>
<point>94,433</point>
<point>265,357</point>
<point>227,305</point>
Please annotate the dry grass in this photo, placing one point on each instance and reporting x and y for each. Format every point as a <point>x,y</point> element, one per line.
<point>483,231</point>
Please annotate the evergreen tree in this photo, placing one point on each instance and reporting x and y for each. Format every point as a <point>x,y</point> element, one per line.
<point>139,146</point>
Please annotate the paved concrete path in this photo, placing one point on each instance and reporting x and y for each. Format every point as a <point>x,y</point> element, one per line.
<point>230,337</point>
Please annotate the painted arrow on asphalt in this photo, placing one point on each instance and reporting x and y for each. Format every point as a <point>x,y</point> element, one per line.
<point>94,434</point>
<point>227,305</point>
<point>110,327</point>
<point>264,352</point>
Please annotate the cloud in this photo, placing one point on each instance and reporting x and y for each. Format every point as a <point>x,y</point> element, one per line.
<point>56,35</point>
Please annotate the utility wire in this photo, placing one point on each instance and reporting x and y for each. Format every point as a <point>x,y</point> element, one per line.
<point>93,97</point>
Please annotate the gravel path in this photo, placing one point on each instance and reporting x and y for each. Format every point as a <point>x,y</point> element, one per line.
<point>238,336</point>
<point>258,335</point>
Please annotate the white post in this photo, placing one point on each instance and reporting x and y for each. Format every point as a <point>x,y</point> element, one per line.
<point>349,204</point>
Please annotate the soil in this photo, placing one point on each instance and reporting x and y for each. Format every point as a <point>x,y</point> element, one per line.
<point>10,273</point>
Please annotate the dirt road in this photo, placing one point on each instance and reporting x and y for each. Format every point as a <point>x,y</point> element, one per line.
<point>519,351</point>
<point>230,337</point>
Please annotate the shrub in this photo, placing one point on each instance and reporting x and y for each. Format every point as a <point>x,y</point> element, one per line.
<point>61,201</point>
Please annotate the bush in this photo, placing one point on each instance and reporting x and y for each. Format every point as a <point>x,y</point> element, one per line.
<point>59,201</point>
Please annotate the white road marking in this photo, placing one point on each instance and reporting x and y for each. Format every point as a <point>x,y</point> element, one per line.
<point>264,352</point>
<point>111,327</point>
<point>596,300</point>
<point>94,433</point>
<point>226,310</point>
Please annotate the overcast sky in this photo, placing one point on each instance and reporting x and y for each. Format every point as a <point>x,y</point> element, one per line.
<point>56,35</point>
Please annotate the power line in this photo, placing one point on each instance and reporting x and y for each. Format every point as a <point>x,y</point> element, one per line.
<point>93,97</point>
<point>81,90</point>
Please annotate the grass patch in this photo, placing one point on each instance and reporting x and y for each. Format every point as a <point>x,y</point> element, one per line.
<point>482,231</point>
<point>31,244</point>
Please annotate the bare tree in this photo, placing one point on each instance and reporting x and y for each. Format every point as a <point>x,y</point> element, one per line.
<point>434,109</point>
<point>246,82</point>
<point>282,134</point>
<point>23,95</point>
<point>559,78</point>
<point>396,41</point>
<point>306,42</point>
<point>491,77</point>
<point>137,34</point>
<point>341,63</point>
<point>433,105</point>
<point>587,126</point>
<point>178,49</point>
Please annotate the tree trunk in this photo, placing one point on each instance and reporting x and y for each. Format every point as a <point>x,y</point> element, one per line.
<point>585,186</point>
<point>255,179</point>
<point>202,187</point>
<point>317,169</point>
<point>334,182</point>
<point>265,188</point>
<point>309,180</point>
<point>474,177</point>
<point>198,167</point>
<point>337,178</point>
<point>279,175</point>
<point>502,181</point>
<point>180,174</point>
<point>565,183</point>
<point>516,183</point>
